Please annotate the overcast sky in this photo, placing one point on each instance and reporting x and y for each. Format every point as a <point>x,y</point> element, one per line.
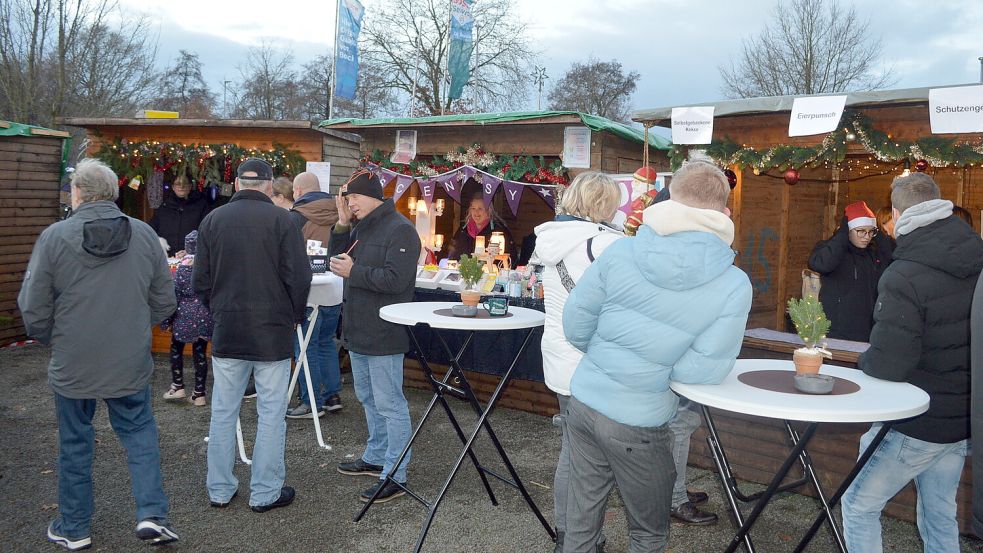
<point>676,45</point>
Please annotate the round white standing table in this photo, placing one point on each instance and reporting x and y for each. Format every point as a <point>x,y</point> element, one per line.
<point>436,315</point>
<point>875,401</point>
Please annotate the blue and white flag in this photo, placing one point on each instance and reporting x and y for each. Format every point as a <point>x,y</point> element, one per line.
<point>346,48</point>
<point>459,62</point>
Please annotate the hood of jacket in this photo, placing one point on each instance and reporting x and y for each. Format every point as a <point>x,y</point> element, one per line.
<point>556,239</point>
<point>318,208</point>
<point>948,245</point>
<point>682,260</point>
<point>105,233</point>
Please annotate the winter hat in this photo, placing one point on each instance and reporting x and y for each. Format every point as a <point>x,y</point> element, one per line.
<point>191,243</point>
<point>859,215</point>
<point>364,183</point>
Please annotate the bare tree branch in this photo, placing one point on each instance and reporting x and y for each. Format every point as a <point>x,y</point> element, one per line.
<point>810,47</point>
<point>597,87</point>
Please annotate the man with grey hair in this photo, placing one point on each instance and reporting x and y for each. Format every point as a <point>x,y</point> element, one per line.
<point>251,271</point>
<point>82,271</point>
<point>920,336</point>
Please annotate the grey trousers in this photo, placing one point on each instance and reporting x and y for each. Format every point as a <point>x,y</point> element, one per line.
<point>682,426</point>
<point>562,476</point>
<point>604,452</point>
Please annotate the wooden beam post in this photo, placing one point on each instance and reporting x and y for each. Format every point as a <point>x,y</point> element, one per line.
<point>783,259</point>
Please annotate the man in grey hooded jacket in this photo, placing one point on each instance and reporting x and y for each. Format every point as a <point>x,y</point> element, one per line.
<point>95,275</point>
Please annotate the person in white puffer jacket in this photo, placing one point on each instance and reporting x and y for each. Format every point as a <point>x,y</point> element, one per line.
<point>565,248</point>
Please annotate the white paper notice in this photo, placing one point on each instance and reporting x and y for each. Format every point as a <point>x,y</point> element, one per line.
<point>956,110</point>
<point>576,147</point>
<point>692,125</point>
<point>815,115</point>
<point>323,171</point>
<point>405,147</point>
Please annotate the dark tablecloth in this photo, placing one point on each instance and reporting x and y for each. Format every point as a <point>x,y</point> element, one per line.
<point>491,351</point>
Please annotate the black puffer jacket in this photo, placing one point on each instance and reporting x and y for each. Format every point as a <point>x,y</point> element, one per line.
<point>976,331</point>
<point>849,282</point>
<point>384,273</point>
<point>252,272</point>
<point>921,324</point>
<point>177,217</point>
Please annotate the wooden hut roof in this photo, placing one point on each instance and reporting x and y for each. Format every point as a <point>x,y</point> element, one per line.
<point>96,122</point>
<point>593,122</point>
<point>772,104</point>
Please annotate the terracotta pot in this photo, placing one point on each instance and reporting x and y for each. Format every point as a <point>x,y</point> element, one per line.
<point>807,361</point>
<point>470,297</point>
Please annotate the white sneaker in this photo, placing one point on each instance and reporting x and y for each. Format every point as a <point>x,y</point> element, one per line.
<point>174,393</point>
<point>68,543</point>
<point>155,534</point>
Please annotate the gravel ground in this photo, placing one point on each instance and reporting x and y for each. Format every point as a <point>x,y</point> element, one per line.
<point>321,517</point>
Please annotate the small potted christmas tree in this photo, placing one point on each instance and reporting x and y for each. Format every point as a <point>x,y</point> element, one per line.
<point>811,325</point>
<point>471,273</point>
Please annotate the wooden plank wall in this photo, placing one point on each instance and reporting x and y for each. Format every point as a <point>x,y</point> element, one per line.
<point>30,169</point>
<point>343,155</point>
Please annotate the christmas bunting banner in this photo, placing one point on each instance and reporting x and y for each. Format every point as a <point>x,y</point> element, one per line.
<point>513,194</point>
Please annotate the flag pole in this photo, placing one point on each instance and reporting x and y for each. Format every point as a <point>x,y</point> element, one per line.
<point>334,61</point>
<point>445,86</point>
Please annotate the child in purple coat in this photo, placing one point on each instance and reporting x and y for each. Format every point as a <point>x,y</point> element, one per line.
<point>192,322</point>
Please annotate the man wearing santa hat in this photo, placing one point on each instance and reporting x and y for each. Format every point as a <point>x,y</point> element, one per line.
<point>851,263</point>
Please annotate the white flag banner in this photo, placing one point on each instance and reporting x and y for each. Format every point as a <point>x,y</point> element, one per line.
<point>956,110</point>
<point>815,115</point>
<point>692,125</point>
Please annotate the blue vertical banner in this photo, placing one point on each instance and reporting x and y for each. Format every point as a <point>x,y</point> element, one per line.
<point>346,48</point>
<point>459,58</point>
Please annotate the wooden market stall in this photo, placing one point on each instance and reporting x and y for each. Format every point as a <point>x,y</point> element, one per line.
<point>216,146</point>
<point>614,148</point>
<point>880,134</point>
<point>32,163</point>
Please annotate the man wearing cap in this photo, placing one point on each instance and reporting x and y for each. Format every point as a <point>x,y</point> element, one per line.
<point>375,250</point>
<point>251,270</point>
<point>850,264</point>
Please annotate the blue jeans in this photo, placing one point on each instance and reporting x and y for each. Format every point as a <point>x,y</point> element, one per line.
<point>268,472</point>
<point>936,469</point>
<point>682,426</point>
<point>133,421</point>
<point>322,356</point>
<point>379,386</point>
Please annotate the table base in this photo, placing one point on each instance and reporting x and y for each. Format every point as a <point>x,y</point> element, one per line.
<point>441,389</point>
<point>760,499</point>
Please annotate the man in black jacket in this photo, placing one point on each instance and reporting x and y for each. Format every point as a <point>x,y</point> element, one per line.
<point>920,336</point>
<point>379,270</point>
<point>851,262</point>
<point>251,270</point>
<point>182,211</point>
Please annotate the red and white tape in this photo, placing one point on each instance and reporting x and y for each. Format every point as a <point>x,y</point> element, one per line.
<point>18,344</point>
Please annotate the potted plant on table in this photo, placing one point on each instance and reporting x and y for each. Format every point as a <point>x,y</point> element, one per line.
<point>811,325</point>
<point>471,273</point>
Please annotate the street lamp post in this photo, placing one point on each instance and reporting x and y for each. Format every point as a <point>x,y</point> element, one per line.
<point>540,76</point>
<point>225,103</point>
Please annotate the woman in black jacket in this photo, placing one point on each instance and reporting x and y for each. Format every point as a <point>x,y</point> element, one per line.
<point>851,263</point>
<point>181,213</point>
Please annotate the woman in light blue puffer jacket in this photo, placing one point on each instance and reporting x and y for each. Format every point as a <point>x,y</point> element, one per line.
<point>665,305</point>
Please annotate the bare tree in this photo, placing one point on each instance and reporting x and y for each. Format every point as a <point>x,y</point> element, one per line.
<point>373,98</point>
<point>268,89</point>
<point>407,40</point>
<point>182,88</point>
<point>810,47</point>
<point>597,87</point>
<point>80,57</point>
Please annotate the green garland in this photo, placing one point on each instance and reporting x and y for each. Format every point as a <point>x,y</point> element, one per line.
<point>201,162</point>
<point>533,169</point>
<point>937,151</point>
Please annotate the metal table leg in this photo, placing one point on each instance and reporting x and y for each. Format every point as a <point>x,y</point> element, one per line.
<point>304,339</point>
<point>440,386</point>
<point>857,467</point>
